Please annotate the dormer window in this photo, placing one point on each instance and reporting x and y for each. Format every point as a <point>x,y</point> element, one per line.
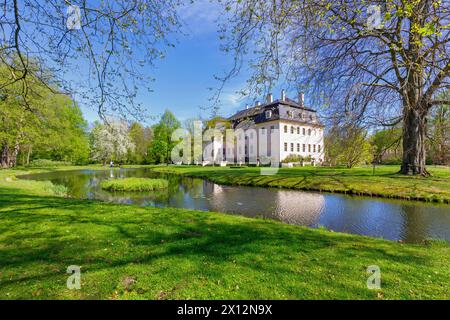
<point>290,114</point>
<point>300,115</point>
<point>311,117</point>
<point>268,114</point>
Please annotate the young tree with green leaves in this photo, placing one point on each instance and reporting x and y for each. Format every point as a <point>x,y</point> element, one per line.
<point>141,138</point>
<point>162,143</point>
<point>347,146</point>
<point>439,133</point>
<point>386,142</point>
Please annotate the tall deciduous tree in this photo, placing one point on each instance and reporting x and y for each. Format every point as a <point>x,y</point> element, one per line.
<point>110,141</point>
<point>384,60</point>
<point>162,143</point>
<point>55,130</point>
<point>141,138</point>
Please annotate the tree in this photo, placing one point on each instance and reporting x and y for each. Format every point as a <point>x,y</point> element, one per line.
<point>439,134</point>
<point>162,135</point>
<point>141,138</point>
<point>55,130</point>
<point>347,145</point>
<point>386,142</point>
<point>107,43</point>
<point>389,70</point>
<point>110,141</point>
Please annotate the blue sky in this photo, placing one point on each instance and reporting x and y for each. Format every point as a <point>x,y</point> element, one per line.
<point>183,77</point>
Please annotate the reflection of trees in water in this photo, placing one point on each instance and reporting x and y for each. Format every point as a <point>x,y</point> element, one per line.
<point>425,221</point>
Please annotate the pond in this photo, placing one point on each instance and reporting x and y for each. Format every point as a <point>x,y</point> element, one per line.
<point>409,221</point>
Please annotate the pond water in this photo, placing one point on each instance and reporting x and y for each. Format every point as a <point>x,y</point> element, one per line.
<point>409,221</point>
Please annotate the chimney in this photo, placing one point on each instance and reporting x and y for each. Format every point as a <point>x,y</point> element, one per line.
<point>283,95</point>
<point>269,98</point>
<point>301,99</point>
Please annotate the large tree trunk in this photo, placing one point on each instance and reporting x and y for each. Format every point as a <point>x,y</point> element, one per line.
<point>414,130</point>
<point>8,158</point>
<point>4,159</point>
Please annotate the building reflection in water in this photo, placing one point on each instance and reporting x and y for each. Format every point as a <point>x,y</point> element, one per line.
<point>285,205</point>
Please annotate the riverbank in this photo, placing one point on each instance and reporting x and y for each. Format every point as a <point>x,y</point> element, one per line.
<point>130,252</point>
<point>385,183</point>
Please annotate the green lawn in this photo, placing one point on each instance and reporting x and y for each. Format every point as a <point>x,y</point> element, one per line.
<point>358,181</point>
<point>130,252</point>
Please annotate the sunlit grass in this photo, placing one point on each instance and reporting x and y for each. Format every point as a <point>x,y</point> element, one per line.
<point>173,253</point>
<point>184,254</point>
<point>134,184</point>
<point>383,182</point>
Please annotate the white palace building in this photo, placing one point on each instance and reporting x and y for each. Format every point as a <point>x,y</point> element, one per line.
<point>269,132</point>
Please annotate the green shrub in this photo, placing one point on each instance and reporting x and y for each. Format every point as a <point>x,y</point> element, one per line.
<point>292,158</point>
<point>134,184</point>
<point>48,163</point>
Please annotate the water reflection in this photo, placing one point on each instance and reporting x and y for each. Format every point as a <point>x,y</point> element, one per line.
<point>394,220</point>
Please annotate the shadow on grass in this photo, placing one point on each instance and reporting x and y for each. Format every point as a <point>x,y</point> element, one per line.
<point>57,232</point>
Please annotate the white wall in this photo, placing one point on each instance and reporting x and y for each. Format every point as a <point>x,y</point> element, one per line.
<point>316,138</point>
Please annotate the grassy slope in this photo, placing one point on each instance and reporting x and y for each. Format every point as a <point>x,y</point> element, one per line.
<point>173,253</point>
<point>360,181</point>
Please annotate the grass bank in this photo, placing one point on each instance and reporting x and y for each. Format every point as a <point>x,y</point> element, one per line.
<point>130,252</point>
<point>356,181</point>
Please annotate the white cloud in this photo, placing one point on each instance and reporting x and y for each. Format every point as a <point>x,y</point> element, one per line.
<point>231,99</point>
<point>200,16</point>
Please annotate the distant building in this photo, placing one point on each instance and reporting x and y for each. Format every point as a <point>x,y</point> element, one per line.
<point>273,130</point>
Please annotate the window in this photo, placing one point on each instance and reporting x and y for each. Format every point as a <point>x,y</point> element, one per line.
<point>300,115</point>
<point>292,147</point>
<point>298,147</point>
<point>268,114</point>
<point>304,131</point>
<point>285,129</point>
<point>314,148</point>
<point>309,148</point>
<point>290,114</point>
<point>309,132</point>
<point>310,117</point>
<point>298,130</point>
<point>292,130</point>
<point>285,146</point>
<point>318,148</point>
<point>304,147</point>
